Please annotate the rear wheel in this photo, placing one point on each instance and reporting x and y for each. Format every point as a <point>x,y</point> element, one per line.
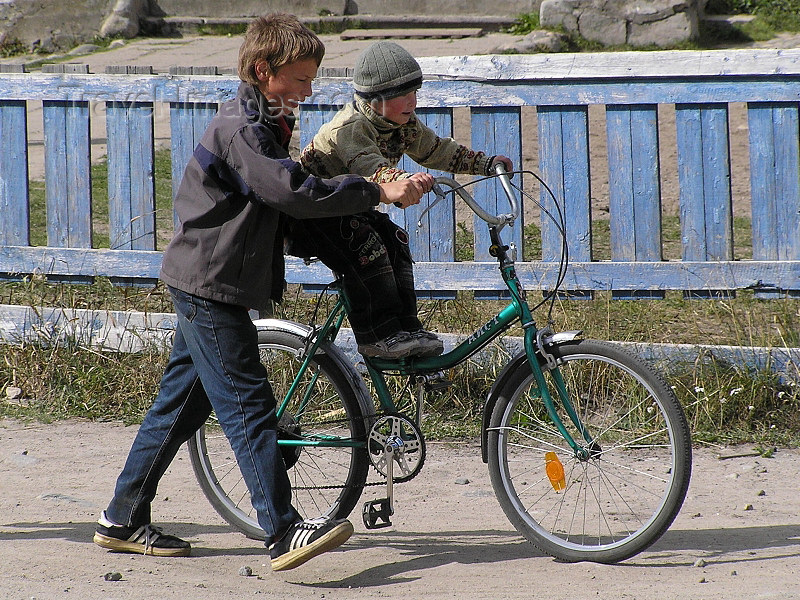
<point>326,479</point>
<point>625,490</point>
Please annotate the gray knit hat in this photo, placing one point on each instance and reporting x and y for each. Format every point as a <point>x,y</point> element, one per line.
<point>386,69</point>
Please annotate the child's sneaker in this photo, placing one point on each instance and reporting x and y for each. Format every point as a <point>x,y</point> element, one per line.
<point>428,343</point>
<point>146,539</point>
<point>307,539</point>
<point>397,345</point>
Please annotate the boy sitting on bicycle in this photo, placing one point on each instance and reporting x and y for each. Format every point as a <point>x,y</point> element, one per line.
<point>369,137</point>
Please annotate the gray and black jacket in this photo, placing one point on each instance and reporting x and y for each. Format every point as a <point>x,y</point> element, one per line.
<point>237,187</point>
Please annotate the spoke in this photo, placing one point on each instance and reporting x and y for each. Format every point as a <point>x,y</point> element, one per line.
<point>635,443</point>
<point>618,465</point>
<point>530,436</point>
<point>615,496</point>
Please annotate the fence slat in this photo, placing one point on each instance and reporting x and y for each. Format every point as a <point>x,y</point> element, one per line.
<point>496,131</point>
<point>432,238</point>
<point>14,206</point>
<point>787,164</point>
<point>704,176</point>
<point>634,187</point>
<point>131,165</point>
<point>564,163</point>
<point>763,190</point>
<point>775,183</point>
<point>188,121</point>
<point>67,173</point>
<point>131,186</point>
<point>429,240</point>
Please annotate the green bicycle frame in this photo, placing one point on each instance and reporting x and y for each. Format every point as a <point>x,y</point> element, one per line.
<point>517,310</point>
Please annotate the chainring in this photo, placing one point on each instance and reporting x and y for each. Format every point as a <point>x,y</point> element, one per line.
<point>408,443</point>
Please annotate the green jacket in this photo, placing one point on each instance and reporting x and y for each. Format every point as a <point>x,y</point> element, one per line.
<point>358,140</point>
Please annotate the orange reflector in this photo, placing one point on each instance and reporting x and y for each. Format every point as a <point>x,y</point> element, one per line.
<point>555,471</point>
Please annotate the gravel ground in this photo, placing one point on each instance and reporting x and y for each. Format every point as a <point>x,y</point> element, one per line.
<point>738,535</point>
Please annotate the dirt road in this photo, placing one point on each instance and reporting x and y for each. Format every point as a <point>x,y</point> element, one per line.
<point>738,535</point>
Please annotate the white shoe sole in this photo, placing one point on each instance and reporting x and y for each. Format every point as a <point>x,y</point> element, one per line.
<point>333,539</point>
<point>117,545</point>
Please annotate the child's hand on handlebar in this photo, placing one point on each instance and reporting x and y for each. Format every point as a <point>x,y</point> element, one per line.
<point>504,160</point>
<point>425,179</point>
<point>402,193</point>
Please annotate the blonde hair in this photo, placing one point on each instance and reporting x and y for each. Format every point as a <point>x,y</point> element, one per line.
<point>278,39</point>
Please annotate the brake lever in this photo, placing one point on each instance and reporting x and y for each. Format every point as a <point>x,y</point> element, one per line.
<point>440,194</point>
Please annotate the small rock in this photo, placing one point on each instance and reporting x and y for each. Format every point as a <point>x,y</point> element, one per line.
<point>748,507</point>
<point>13,392</point>
<point>23,459</point>
<point>116,44</point>
<point>702,580</point>
<point>734,573</point>
<point>700,563</point>
<point>761,493</point>
<point>113,576</point>
<point>245,571</point>
<point>462,481</point>
<point>696,516</point>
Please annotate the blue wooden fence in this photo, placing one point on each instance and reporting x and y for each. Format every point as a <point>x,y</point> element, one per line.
<point>630,88</point>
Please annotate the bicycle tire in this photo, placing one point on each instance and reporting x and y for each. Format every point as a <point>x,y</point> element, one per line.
<point>627,492</point>
<point>326,481</point>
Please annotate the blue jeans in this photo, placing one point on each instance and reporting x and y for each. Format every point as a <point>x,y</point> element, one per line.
<point>214,364</point>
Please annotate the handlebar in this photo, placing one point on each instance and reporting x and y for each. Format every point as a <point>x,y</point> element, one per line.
<point>501,219</point>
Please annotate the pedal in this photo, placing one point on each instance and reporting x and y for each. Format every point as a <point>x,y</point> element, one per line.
<point>377,513</point>
<point>438,384</point>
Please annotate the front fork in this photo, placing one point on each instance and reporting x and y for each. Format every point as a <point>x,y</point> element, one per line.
<point>536,346</point>
<point>537,343</point>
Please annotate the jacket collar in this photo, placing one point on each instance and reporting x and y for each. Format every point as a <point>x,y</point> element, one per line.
<point>257,109</point>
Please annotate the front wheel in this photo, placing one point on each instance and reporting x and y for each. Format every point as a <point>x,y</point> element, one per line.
<point>322,436</point>
<point>622,492</point>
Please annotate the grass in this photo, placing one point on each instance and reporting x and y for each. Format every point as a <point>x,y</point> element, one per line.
<point>12,47</point>
<point>100,205</point>
<point>725,403</point>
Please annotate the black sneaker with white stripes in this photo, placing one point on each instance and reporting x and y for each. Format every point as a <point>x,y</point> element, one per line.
<point>306,539</point>
<point>146,539</point>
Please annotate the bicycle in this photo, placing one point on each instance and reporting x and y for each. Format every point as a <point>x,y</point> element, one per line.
<point>588,449</point>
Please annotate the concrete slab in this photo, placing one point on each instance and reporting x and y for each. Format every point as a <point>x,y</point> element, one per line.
<point>421,34</point>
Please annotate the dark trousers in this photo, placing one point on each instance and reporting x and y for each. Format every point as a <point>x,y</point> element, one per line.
<point>371,254</point>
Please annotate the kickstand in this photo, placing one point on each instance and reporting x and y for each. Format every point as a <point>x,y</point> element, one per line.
<point>377,513</point>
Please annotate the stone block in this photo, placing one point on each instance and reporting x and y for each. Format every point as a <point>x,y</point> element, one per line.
<point>635,22</point>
